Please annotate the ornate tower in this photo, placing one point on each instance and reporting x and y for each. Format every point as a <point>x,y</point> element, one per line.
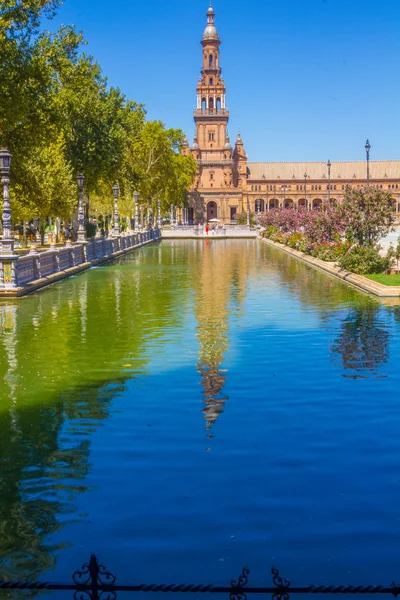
<point>211,146</point>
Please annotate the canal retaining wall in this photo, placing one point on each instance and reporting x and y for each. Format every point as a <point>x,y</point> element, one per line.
<point>357,281</point>
<point>40,269</point>
<point>199,231</point>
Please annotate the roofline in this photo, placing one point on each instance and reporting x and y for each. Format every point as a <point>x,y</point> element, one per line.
<point>317,162</point>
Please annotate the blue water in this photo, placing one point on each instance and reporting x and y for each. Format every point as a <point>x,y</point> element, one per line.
<point>197,407</point>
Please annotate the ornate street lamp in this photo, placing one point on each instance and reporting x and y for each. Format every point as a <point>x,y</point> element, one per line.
<point>159,214</point>
<point>8,272</point>
<point>136,198</point>
<point>283,188</point>
<point>305,191</point>
<point>367,149</point>
<point>7,242</point>
<point>81,217</point>
<point>115,190</point>
<point>149,214</point>
<point>248,214</point>
<point>329,180</point>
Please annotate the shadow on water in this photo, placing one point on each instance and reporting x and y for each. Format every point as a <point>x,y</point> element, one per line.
<point>68,352</point>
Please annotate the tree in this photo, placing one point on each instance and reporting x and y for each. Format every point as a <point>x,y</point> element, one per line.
<point>367,215</point>
<point>47,186</point>
<point>154,166</point>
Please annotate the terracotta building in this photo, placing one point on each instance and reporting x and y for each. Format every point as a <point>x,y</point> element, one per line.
<point>228,183</point>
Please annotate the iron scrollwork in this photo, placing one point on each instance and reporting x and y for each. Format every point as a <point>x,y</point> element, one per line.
<point>282,586</point>
<point>237,592</point>
<point>94,581</point>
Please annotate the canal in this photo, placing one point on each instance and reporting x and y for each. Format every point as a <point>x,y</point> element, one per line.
<point>196,407</point>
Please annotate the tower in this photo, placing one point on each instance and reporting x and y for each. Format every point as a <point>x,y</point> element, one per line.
<point>211,147</point>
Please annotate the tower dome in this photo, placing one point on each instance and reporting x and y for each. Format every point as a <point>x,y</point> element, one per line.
<point>210,32</point>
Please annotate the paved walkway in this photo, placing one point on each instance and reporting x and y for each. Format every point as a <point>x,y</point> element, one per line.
<point>391,238</point>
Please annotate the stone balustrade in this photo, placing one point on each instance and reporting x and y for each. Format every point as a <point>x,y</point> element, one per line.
<point>21,274</point>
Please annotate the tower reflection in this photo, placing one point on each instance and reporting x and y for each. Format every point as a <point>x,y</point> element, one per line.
<point>219,281</point>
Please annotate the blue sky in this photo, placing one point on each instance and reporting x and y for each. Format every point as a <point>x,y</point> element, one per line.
<point>305,80</point>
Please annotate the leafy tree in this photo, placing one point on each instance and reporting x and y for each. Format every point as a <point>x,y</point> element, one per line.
<point>47,185</point>
<point>367,215</point>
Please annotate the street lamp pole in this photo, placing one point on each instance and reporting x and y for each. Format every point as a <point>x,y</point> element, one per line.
<point>367,149</point>
<point>159,214</point>
<point>329,180</point>
<point>305,191</point>
<point>81,216</point>
<point>136,199</point>
<point>115,190</point>
<point>248,214</point>
<point>8,256</point>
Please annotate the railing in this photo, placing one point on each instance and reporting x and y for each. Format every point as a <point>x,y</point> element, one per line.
<point>37,265</point>
<point>94,581</point>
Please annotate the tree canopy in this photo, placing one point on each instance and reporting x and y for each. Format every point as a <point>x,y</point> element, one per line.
<point>59,116</point>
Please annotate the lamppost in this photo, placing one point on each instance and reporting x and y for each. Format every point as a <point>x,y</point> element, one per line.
<point>149,214</point>
<point>367,149</point>
<point>274,195</point>
<point>81,217</point>
<point>283,188</point>
<point>9,257</point>
<point>329,180</point>
<point>136,198</point>
<point>305,191</point>
<point>115,190</point>
<point>159,214</point>
<point>7,242</point>
<point>248,214</point>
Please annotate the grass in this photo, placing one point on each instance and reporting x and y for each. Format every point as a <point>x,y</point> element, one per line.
<point>385,279</point>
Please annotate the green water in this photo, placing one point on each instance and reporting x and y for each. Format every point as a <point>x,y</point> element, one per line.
<point>194,407</point>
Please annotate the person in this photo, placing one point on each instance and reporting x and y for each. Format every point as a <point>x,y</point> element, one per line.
<point>207,229</point>
<point>213,229</point>
<point>66,234</point>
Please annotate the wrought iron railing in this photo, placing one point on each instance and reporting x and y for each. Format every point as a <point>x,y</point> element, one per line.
<point>95,582</point>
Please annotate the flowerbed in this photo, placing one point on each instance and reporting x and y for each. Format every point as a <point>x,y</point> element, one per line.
<point>331,235</point>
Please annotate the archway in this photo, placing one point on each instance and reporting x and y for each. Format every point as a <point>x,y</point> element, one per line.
<point>302,203</point>
<point>212,211</point>
<point>273,203</point>
<point>317,204</point>
<point>288,203</point>
<point>259,205</point>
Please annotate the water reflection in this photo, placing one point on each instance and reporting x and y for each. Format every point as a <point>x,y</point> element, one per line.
<point>66,353</point>
<point>363,341</point>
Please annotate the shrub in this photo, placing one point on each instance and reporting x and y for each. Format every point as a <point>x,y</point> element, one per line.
<point>90,230</point>
<point>330,252</point>
<point>364,260</point>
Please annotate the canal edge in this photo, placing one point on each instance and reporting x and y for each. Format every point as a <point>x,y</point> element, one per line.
<point>357,281</point>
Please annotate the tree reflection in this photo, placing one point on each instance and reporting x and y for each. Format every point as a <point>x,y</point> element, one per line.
<point>363,343</point>
<point>59,353</point>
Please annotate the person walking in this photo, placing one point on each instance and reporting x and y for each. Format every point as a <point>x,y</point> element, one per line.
<point>207,229</point>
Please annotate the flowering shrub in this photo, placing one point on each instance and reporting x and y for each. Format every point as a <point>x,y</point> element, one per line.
<point>364,260</point>
<point>364,216</point>
<point>330,252</point>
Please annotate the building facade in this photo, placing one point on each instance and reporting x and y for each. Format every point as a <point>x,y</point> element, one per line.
<point>228,183</point>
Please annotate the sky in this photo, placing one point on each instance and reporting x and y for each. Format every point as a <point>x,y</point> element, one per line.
<point>305,80</point>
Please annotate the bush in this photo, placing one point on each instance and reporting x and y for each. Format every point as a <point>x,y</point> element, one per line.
<point>364,260</point>
<point>90,230</point>
<point>330,252</point>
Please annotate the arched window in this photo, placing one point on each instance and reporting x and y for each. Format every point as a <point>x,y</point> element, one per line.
<point>211,104</point>
<point>210,59</point>
<point>203,105</point>
<point>211,81</point>
<point>218,105</point>
<point>312,187</point>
